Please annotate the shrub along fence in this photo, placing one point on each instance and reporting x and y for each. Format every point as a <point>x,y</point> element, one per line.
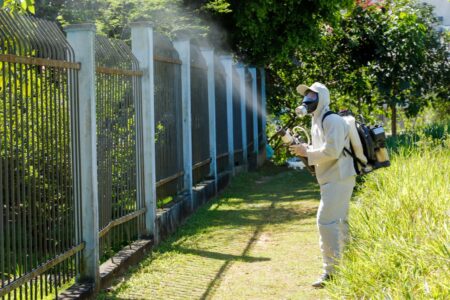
<point>100,141</point>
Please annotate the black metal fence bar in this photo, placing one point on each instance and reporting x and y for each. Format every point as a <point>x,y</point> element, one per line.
<point>237,119</point>
<point>168,126</point>
<point>249,112</point>
<point>120,208</point>
<point>221,117</point>
<point>39,195</point>
<point>259,109</point>
<point>199,115</point>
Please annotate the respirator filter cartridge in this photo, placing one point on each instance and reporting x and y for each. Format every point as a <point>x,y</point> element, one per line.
<point>301,111</point>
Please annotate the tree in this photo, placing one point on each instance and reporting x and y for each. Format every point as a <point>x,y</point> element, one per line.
<point>407,53</point>
<point>18,5</point>
<point>263,31</point>
<point>378,54</point>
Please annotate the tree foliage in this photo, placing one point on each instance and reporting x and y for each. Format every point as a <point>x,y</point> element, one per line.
<point>18,5</point>
<point>261,31</point>
<point>390,55</point>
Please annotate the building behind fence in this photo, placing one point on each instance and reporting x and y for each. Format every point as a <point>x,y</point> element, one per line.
<point>100,141</point>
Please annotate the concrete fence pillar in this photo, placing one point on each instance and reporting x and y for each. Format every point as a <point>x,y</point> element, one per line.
<point>183,47</point>
<point>227,63</point>
<point>142,47</point>
<point>254,109</point>
<point>208,55</point>
<point>82,39</point>
<point>241,72</point>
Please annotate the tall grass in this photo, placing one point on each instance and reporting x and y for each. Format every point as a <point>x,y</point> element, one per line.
<point>400,226</point>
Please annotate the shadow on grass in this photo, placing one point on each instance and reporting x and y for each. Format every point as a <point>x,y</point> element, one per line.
<point>253,200</point>
<point>218,255</point>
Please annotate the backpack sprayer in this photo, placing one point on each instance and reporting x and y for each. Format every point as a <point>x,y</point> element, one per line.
<point>367,143</point>
<point>295,139</point>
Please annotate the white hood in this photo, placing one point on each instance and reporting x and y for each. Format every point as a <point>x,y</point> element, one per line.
<point>328,140</point>
<point>324,98</point>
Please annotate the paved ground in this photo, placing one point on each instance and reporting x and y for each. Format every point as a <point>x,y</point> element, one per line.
<point>257,240</point>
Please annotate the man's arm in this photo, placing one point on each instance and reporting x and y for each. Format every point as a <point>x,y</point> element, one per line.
<point>334,130</point>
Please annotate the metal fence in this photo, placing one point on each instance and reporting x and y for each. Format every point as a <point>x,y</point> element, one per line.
<point>118,146</point>
<point>169,150</point>
<point>237,120</point>
<point>41,226</point>
<point>221,116</point>
<point>249,114</point>
<point>199,116</point>
<point>261,142</point>
<point>39,200</point>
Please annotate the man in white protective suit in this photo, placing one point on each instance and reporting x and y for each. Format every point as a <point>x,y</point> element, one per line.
<point>334,171</point>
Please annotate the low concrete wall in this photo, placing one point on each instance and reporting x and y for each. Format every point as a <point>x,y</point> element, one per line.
<point>111,269</point>
<point>223,179</point>
<point>170,218</point>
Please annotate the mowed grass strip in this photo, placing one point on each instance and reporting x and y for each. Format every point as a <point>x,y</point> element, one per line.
<point>257,240</point>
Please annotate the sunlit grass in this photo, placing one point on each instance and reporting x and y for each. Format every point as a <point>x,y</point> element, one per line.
<point>256,240</point>
<point>400,227</point>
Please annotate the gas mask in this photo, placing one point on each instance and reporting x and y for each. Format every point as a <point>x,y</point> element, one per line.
<point>309,104</point>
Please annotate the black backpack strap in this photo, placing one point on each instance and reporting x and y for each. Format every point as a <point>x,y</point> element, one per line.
<point>354,157</point>
<point>326,114</point>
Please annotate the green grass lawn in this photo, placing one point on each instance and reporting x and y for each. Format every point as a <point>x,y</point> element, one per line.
<point>400,226</point>
<point>257,240</point>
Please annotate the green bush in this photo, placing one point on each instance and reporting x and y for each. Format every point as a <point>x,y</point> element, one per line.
<point>412,139</point>
<point>400,225</point>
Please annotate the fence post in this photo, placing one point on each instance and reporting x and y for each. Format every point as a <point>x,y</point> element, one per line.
<point>255,110</point>
<point>208,55</point>
<point>142,47</point>
<point>82,39</point>
<point>263,104</point>
<point>228,67</point>
<point>241,72</point>
<point>183,47</point>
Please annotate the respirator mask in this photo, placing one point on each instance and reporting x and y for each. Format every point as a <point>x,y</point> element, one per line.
<point>309,104</point>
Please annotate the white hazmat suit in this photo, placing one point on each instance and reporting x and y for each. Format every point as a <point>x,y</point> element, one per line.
<point>335,174</point>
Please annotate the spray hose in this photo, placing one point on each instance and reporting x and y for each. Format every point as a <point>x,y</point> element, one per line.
<point>301,129</point>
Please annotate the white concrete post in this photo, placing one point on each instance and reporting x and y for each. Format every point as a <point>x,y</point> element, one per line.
<point>208,55</point>
<point>228,67</point>
<point>142,47</point>
<point>82,39</point>
<point>254,110</point>
<point>263,104</point>
<point>182,45</point>
<point>241,72</point>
